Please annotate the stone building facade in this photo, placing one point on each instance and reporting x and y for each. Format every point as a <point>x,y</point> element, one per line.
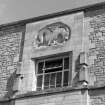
<point>57,59</point>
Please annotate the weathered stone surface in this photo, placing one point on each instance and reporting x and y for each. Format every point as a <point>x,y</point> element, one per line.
<point>68,98</point>
<point>74,44</point>
<point>97,97</point>
<point>87,35</point>
<point>96,54</point>
<point>10,44</point>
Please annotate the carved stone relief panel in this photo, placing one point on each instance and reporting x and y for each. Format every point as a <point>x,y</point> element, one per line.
<point>52,35</point>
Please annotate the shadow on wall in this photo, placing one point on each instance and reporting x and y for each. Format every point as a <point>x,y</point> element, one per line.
<point>10,84</point>
<point>77,68</point>
<point>97,96</point>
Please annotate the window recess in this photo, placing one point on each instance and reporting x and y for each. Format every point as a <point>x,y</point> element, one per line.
<point>53,72</point>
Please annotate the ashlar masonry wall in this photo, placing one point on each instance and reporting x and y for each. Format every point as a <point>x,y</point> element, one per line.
<point>66,98</point>
<point>33,51</point>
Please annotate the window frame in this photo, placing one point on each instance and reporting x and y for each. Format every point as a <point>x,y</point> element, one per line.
<point>53,57</point>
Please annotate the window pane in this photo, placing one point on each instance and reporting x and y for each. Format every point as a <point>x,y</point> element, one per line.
<point>52,80</point>
<point>59,79</point>
<point>53,70</point>
<point>66,63</point>
<point>40,67</point>
<point>53,63</point>
<point>39,82</point>
<point>65,79</point>
<point>46,81</point>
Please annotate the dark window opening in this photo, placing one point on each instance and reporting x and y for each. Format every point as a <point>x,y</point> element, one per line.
<point>53,63</point>
<point>53,72</point>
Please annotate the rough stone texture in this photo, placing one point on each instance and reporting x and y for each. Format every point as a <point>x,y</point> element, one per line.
<point>96,53</point>
<point>10,42</point>
<point>94,34</point>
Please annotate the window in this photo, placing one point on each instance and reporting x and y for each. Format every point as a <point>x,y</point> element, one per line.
<point>53,72</point>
